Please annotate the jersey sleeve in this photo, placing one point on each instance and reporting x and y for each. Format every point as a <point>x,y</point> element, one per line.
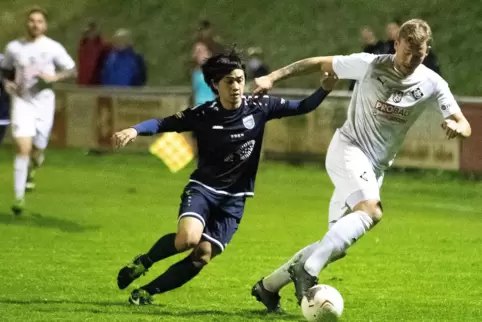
<point>446,103</point>
<point>276,107</point>
<point>62,59</point>
<point>8,59</point>
<point>353,66</point>
<point>185,121</point>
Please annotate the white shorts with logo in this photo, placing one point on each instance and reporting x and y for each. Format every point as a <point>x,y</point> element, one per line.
<point>353,175</point>
<point>33,117</point>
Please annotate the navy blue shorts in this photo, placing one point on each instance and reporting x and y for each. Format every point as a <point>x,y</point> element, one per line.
<point>220,214</point>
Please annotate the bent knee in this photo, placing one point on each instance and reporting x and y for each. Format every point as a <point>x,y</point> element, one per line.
<point>202,254</point>
<point>372,208</point>
<point>185,241</point>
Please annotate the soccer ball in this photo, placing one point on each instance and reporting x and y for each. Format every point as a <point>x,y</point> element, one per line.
<point>322,303</point>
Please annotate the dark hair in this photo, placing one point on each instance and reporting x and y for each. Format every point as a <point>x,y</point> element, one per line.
<point>38,10</point>
<point>218,66</point>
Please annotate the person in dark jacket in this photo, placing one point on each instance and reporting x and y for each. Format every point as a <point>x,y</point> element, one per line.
<point>123,66</point>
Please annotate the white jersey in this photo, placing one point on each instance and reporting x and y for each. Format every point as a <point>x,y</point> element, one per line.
<point>30,58</point>
<point>385,103</point>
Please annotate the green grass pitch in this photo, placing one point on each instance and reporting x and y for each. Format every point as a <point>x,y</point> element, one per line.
<point>91,215</point>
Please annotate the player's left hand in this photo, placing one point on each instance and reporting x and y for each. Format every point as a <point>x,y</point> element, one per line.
<point>48,79</point>
<point>328,81</point>
<point>452,128</point>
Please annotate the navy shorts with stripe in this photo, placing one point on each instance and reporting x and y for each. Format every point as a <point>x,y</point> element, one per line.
<point>220,214</point>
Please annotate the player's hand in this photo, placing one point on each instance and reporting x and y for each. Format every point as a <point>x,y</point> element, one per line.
<point>47,79</point>
<point>10,87</point>
<point>124,137</point>
<point>262,85</point>
<point>328,81</point>
<point>452,128</point>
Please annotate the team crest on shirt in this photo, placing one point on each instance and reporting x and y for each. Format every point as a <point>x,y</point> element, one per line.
<point>248,122</point>
<point>397,96</point>
<point>417,93</point>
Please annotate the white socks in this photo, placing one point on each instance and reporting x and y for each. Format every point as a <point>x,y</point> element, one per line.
<point>20,175</point>
<point>336,241</point>
<point>280,278</point>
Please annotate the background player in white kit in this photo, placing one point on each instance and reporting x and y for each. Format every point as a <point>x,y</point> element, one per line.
<point>34,60</point>
<point>385,103</point>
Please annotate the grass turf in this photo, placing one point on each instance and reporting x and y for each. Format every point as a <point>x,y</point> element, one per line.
<point>91,215</point>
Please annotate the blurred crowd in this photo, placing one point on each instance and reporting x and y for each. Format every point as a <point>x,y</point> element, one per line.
<point>117,63</point>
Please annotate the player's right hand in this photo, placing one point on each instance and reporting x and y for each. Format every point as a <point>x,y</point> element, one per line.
<point>124,137</point>
<point>262,85</point>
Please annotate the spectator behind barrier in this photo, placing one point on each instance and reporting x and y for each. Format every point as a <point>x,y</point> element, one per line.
<point>123,66</point>
<point>256,67</point>
<point>92,52</point>
<point>201,91</point>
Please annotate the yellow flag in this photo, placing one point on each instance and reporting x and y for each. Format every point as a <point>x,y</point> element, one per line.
<point>174,150</point>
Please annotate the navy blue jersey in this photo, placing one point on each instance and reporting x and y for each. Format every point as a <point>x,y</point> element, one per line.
<point>229,141</point>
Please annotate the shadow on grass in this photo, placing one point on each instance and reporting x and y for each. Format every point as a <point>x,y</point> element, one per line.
<point>152,310</point>
<point>38,220</point>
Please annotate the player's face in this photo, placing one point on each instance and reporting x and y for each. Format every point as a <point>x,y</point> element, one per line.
<point>408,56</point>
<point>231,88</point>
<point>36,24</point>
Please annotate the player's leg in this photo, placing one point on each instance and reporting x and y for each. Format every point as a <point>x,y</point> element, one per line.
<point>271,285</point>
<point>45,110</point>
<point>23,146</point>
<point>23,129</point>
<point>221,225</point>
<point>274,282</point>
<point>177,275</point>
<point>193,213</point>
<point>353,175</point>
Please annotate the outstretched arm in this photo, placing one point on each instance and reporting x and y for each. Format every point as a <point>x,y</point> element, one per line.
<point>301,67</point>
<point>180,122</point>
<point>352,66</point>
<point>278,108</point>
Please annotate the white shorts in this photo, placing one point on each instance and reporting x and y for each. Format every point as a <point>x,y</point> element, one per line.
<point>353,175</point>
<point>33,117</point>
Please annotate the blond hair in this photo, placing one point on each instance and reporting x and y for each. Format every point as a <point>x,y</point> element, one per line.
<point>416,32</point>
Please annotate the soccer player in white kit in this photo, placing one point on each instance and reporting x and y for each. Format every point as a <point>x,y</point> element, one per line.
<point>385,103</point>
<point>34,60</point>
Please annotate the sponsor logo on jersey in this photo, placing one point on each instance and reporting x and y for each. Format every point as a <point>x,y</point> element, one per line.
<point>391,112</point>
<point>248,122</point>
<point>397,96</point>
<point>242,153</point>
<point>417,93</point>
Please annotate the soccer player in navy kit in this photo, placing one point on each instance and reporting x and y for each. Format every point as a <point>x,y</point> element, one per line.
<point>229,133</point>
<point>4,104</point>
